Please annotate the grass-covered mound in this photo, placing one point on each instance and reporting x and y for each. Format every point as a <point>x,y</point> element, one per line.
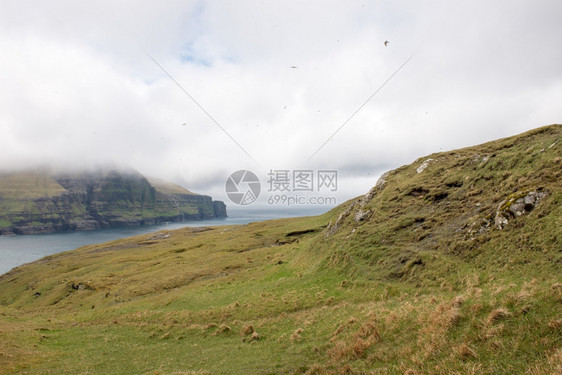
<point>448,265</point>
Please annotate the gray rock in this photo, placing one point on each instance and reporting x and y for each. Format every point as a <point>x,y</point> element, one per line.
<point>361,215</point>
<point>517,206</point>
<point>331,228</point>
<point>424,165</point>
<point>379,185</point>
<point>500,221</point>
<point>382,180</point>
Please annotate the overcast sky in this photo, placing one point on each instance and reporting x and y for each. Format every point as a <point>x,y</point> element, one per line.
<point>78,86</point>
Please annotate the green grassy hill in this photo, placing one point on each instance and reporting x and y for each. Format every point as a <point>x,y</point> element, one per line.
<point>167,187</point>
<point>28,185</point>
<point>450,265</point>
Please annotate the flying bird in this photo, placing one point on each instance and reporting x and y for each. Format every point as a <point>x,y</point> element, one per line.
<point>386,43</point>
<point>294,66</point>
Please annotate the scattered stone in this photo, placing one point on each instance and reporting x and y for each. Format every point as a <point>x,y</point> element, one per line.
<point>382,180</point>
<point>361,215</point>
<point>331,228</point>
<point>424,165</point>
<point>518,204</point>
<point>501,221</point>
<point>517,208</point>
<point>160,236</point>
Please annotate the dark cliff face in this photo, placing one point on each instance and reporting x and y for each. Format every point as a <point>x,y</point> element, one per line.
<point>219,208</point>
<point>87,201</point>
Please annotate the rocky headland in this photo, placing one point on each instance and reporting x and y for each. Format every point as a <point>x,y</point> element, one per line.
<point>45,202</point>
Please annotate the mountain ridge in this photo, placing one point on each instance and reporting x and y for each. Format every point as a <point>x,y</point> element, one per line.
<point>45,202</point>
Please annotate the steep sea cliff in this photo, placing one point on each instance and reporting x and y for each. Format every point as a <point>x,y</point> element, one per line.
<point>43,202</point>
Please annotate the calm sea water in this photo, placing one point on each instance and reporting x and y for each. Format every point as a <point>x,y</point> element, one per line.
<point>18,250</point>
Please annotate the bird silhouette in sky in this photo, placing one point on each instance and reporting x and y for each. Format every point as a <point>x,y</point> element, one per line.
<point>386,43</point>
<point>294,66</point>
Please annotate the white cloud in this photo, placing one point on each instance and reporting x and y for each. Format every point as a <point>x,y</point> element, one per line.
<point>79,88</point>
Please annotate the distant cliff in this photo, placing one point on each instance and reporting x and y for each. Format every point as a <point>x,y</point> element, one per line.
<point>43,202</point>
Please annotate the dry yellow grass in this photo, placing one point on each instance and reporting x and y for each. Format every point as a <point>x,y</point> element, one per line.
<point>296,336</point>
<point>497,314</point>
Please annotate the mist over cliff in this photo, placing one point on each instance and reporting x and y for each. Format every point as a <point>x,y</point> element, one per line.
<point>44,201</point>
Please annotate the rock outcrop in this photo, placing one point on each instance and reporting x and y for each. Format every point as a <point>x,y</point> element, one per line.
<point>463,196</point>
<point>517,204</point>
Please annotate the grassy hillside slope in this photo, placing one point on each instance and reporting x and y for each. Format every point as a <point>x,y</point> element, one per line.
<point>29,185</point>
<point>167,187</point>
<point>447,266</point>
